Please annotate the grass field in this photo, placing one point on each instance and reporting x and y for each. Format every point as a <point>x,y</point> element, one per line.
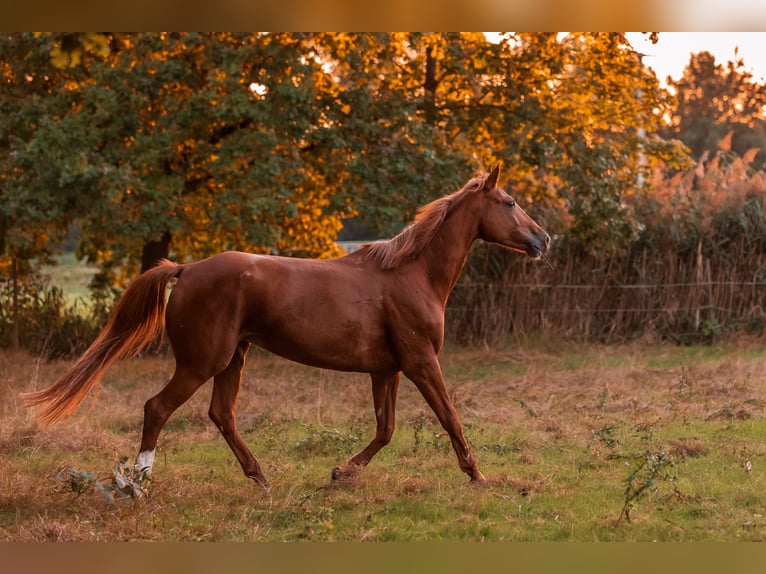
<point>557,429</point>
<point>71,275</point>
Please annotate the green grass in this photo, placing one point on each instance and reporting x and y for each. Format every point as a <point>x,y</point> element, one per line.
<point>71,275</point>
<point>557,435</point>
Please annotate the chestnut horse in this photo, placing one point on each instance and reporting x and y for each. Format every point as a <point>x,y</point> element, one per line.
<point>379,310</point>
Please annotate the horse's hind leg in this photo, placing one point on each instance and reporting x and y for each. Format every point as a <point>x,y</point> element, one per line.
<point>223,413</point>
<point>158,409</point>
<point>384,390</point>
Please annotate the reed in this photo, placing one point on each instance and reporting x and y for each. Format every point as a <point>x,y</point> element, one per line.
<point>696,273</point>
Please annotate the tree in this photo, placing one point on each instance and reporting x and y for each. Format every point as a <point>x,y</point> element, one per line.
<point>394,152</point>
<point>194,143</point>
<point>574,119</point>
<point>198,139</point>
<point>34,195</point>
<point>713,100</point>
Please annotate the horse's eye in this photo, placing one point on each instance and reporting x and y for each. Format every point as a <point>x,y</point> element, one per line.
<point>510,203</point>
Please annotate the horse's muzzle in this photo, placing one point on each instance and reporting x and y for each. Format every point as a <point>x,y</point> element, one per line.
<point>539,245</point>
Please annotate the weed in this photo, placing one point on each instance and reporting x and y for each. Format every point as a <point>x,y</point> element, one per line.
<point>314,519</point>
<point>684,384</point>
<point>418,424</point>
<point>652,467</point>
<point>437,440</point>
<point>605,436</point>
<point>732,411</point>
<point>127,482</point>
<point>529,410</point>
<point>603,398</point>
<point>644,432</point>
<point>323,440</point>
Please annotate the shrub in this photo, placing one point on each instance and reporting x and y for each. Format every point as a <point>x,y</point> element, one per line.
<point>694,273</point>
<point>47,324</point>
<point>126,482</point>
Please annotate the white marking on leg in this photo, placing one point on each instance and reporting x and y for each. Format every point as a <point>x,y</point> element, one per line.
<point>145,460</point>
<point>380,412</point>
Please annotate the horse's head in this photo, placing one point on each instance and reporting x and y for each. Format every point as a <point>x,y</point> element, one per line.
<point>504,223</point>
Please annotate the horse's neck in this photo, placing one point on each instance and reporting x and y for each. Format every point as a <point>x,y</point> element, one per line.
<point>445,255</point>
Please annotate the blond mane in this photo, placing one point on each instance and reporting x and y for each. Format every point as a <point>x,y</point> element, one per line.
<point>408,244</point>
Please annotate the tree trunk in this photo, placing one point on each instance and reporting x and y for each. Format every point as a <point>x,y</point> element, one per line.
<point>430,85</point>
<point>15,340</point>
<point>154,251</point>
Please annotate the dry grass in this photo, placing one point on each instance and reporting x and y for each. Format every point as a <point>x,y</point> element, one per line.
<point>553,428</point>
<point>693,275</point>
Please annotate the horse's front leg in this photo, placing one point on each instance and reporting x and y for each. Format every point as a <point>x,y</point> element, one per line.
<point>428,378</point>
<point>384,390</point>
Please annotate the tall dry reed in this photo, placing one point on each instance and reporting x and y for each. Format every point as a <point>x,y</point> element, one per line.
<point>696,273</point>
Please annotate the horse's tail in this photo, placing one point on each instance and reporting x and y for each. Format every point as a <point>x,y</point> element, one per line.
<point>136,321</point>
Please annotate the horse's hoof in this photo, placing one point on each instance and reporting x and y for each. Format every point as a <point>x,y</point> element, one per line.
<point>344,473</point>
<point>260,479</point>
<point>478,479</point>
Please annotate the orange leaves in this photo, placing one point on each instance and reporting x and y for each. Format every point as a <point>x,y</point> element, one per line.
<point>309,222</point>
<point>266,142</point>
<point>70,48</point>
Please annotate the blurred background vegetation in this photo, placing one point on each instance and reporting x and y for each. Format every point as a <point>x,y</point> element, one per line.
<point>119,149</point>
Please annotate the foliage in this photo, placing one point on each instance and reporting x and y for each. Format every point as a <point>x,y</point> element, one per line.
<point>186,144</point>
<point>718,202</point>
<point>653,467</point>
<point>718,107</point>
<point>37,189</point>
<point>266,142</point>
<point>47,324</point>
<point>127,482</point>
<point>327,440</point>
<point>692,273</point>
<point>69,48</point>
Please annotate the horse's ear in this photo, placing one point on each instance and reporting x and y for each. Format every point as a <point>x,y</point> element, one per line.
<point>491,181</point>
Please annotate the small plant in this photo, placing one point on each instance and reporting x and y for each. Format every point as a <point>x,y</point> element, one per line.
<point>684,385</point>
<point>438,440</point>
<point>603,398</point>
<point>529,410</point>
<point>127,482</point>
<point>605,436</point>
<point>418,424</point>
<point>734,410</point>
<point>322,440</point>
<point>654,466</point>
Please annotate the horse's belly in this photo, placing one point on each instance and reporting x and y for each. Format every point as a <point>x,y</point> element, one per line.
<point>340,350</point>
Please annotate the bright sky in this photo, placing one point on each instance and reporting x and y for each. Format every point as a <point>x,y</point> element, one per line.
<point>669,56</point>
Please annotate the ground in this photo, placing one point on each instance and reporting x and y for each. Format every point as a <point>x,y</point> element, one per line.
<point>566,434</point>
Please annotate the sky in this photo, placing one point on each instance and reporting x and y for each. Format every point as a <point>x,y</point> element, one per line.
<point>671,54</point>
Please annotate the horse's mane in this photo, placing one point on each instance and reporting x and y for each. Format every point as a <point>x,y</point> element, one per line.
<point>408,244</point>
